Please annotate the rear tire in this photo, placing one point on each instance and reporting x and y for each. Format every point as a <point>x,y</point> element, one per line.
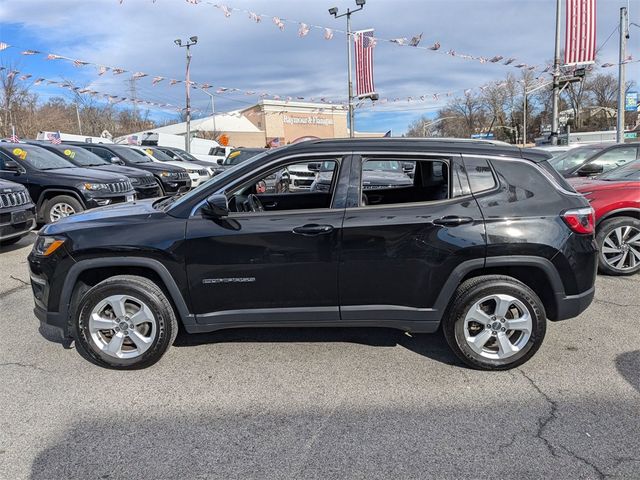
<point>125,322</point>
<point>613,239</point>
<point>60,207</point>
<point>494,322</point>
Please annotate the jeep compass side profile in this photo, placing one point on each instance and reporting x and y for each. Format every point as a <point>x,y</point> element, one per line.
<point>488,242</point>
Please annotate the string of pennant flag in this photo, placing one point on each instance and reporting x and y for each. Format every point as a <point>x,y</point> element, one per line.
<point>157,79</point>
<point>304,28</point>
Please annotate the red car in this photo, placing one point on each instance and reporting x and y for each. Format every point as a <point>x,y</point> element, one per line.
<point>615,197</point>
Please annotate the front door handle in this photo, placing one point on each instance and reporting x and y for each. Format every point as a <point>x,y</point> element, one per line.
<point>313,229</point>
<point>452,220</point>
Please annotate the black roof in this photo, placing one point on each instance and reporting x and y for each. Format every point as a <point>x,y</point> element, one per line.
<point>440,145</point>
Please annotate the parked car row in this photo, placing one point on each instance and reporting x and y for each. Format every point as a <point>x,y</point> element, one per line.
<point>47,182</point>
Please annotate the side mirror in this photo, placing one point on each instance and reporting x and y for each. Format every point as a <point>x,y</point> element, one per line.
<point>314,167</point>
<point>219,161</point>
<point>216,206</point>
<point>116,161</point>
<point>590,169</point>
<point>12,166</point>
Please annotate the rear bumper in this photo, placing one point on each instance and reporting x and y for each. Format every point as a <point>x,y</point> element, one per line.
<point>569,306</point>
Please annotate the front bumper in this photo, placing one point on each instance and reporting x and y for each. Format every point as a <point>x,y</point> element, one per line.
<point>150,191</point>
<point>172,186</point>
<point>17,221</point>
<point>102,200</point>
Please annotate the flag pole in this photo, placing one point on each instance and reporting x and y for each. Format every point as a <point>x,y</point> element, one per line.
<point>556,80</point>
<point>624,34</point>
<point>349,67</point>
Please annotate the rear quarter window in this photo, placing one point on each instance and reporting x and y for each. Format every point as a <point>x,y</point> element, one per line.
<point>480,174</point>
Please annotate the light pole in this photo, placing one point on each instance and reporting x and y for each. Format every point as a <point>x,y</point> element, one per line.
<point>334,11</point>
<point>556,79</point>
<point>192,41</point>
<point>624,35</point>
<point>213,110</point>
<point>424,126</point>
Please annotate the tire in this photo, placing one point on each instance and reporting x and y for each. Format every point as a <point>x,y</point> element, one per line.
<point>460,323</point>
<point>139,347</point>
<point>56,207</point>
<point>611,251</point>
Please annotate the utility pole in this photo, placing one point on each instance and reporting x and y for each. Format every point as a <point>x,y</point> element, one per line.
<point>213,110</point>
<point>134,97</point>
<point>556,80</point>
<point>192,41</point>
<point>334,11</point>
<point>78,117</point>
<point>624,35</point>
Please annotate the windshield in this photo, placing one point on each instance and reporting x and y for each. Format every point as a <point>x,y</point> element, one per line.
<point>628,172</point>
<point>383,165</point>
<point>186,156</point>
<point>79,156</point>
<point>574,158</point>
<point>158,154</point>
<point>218,151</point>
<point>37,157</point>
<point>215,183</point>
<point>238,156</point>
<point>130,155</point>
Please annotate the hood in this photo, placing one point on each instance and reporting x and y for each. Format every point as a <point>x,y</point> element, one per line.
<point>582,184</point>
<point>119,169</point>
<point>8,187</point>
<point>81,174</point>
<point>185,165</point>
<point>157,167</point>
<point>118,213</point>
<point>382,177</point>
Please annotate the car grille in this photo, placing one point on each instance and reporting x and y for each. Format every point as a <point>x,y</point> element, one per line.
<point>120,187</point>
<point>146,181</point>
<point>183,175</point>
<point>203,173</point>
<point>14,199</point>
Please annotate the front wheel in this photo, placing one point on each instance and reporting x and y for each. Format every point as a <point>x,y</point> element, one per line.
<point>618,241</point>
<point>60,207</point>
<point>495,322</point>
<point>125,322</point>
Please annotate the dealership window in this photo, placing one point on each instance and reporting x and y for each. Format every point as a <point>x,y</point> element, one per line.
<point>294,186</point>
<point>388,181</point>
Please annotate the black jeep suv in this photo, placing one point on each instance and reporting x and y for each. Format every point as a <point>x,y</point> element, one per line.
<point>143,182</point>
<point>17,212</point>
<point>170,177</point>
<point>58,187</point>
<point>488,242</point>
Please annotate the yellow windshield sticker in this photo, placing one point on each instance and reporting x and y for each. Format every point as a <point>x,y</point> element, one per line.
<point>20,153</point>
<point>149,151</point>
<point>234,154</point>
<point>69,153</point>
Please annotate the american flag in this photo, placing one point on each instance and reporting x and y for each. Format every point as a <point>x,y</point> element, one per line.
<point>14,138</point>
<point>364,43</point>
<point>54,138</point>
<point>580,41</point>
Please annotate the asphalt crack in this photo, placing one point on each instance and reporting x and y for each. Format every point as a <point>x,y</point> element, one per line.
<point>24,365</point>
<point>607,302</point>
<point>13,290</point>
<point>19,280</point>
<point>545,420</point>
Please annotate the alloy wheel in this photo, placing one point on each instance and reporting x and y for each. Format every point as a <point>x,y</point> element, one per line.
<point>122,326</point>
<point>621,248</point>
<point>497,326</point>
<point>61,210</point>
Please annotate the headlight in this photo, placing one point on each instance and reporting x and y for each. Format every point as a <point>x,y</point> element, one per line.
<point>45,246</point>
<point>168,174</point>
<point>96,187</point>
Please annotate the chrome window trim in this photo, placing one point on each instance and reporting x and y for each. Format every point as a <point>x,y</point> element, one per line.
<point>339,155</point>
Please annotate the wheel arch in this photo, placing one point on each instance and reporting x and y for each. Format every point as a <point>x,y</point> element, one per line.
<point>623,212</point>
<point>87,273</point>
<point>49,193</point>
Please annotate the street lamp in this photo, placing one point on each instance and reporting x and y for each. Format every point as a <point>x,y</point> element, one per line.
<point>334,11</point>
<point>524,110</point>
<point>192,41</point>
<point>213,110</point>
<point>425,125</point>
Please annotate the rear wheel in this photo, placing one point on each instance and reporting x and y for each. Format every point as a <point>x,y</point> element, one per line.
<point>125,322</point>
<point>60,207</point>
<point>495,323</point>
<point>619,244</point>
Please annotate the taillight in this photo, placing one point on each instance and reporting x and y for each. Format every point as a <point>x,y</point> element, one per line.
<point>580,220</point>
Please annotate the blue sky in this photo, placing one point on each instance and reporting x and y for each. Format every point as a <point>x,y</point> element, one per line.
<point>236,52</point>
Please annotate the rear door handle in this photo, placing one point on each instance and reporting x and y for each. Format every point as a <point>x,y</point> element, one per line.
<point>313,229</point>
<point>452,220</point>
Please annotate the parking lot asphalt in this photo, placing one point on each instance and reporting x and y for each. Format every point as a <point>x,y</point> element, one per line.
<point>322,403</point>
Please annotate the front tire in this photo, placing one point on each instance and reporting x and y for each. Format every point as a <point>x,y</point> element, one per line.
<point>60,207</point>
<point>125,322</point>
<point>494,322</point>
<point>618,242</point>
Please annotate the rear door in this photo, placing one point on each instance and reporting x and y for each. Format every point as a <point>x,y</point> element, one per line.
<point>398,252</point>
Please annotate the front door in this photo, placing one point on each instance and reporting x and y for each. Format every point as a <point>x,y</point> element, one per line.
<point>405,237</point>
<point>270,266</point>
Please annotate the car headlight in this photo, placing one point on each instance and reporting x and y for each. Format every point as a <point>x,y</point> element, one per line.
<point>46,245</point>
<point>95,187</point>
<point>168,174</point>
